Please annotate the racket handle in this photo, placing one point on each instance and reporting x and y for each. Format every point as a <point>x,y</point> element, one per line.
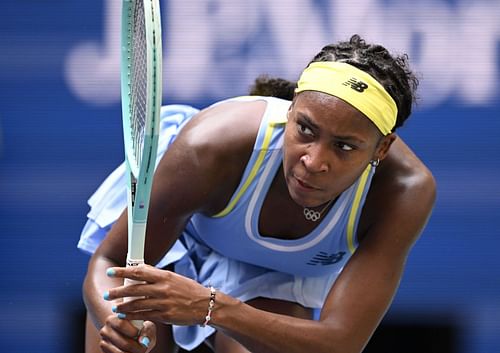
<point>137,323</point>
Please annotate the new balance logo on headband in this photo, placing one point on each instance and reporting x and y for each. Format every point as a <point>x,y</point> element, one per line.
<point>356,85</point>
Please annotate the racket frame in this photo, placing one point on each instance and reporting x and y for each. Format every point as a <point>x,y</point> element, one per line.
<point>140,177</point>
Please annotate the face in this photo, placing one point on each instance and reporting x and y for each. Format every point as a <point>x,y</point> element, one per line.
<point>328,144</point>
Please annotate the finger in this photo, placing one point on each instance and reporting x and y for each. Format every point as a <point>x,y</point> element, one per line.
<point>150,315</point>
<point>139,290</point>
<point>147,336</point>
<point>144,272</point>
<point>113,341</point>
<point>123,327</point>
<point>145,304</point>
<point>121,346</point>
<point>108,347</point>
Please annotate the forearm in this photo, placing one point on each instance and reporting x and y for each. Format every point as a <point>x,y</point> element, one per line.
<point>261,331</point>
<point>95,285</point>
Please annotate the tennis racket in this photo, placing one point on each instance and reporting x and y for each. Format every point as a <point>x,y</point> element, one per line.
<point>141,59</point>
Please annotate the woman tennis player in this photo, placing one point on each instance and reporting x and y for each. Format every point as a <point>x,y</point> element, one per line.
<point>264,208</point>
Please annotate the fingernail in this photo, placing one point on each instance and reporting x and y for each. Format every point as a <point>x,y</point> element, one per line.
<point>114,309</point>
<point>145,341</point>
<point>110,272</point>
<point>106,296</point>
<point>121,316</point>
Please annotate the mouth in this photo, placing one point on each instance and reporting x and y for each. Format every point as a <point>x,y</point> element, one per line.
<point>305,185</point>
<point>303,192</point>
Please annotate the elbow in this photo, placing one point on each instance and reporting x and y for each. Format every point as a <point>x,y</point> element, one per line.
<point>96,280</point>
<point>86,290</point>
<point>338,339</point>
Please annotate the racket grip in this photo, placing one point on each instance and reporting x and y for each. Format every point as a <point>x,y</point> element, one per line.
<point>127,281</point>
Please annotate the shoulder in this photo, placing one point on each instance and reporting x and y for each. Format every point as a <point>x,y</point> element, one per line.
<point>223,134</point>
<point>401,197</point>
<point>227,121</point>
<point>402,173</point>
<point>210,153</point>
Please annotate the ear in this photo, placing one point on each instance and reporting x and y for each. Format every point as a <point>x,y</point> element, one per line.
<point>383,146</point>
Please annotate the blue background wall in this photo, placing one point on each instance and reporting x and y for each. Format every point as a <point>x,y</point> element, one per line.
<point>60,135</point>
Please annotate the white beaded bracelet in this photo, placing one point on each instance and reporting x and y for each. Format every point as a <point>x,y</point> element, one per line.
<point>211,305</point>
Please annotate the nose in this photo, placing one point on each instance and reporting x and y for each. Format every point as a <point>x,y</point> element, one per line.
<point>314,160</point>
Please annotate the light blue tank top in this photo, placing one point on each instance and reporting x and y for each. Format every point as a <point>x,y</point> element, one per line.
<point>234,231</point>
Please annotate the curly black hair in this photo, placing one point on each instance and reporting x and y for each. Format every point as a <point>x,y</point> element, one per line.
<point>393,72</point>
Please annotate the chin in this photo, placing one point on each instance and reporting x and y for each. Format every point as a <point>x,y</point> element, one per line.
<point>303,200</point>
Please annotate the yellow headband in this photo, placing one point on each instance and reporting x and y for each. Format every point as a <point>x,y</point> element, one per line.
<point>355,87</point>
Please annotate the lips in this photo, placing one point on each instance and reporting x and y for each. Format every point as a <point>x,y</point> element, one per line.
<point>303,192</point>
<point>305,185</point>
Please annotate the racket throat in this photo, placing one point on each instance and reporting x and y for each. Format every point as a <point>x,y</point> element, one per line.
<point>134,262</point>
<point>133,188</point>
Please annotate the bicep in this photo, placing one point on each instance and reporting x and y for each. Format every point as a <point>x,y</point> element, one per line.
<point>198,173</point>
<point>183,184</point>
<point>186,181</point>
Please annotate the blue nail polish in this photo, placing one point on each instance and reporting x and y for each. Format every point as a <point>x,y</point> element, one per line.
<point>114,309</point>
<point>145,341</point>
<point>110,272</point>
<point>106,296</point>
<point>121,316</point>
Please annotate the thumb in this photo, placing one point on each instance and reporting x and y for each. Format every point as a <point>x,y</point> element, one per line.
<point>147,336</point>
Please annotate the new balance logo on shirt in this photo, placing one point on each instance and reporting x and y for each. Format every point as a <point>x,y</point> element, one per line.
<point>322,258</point>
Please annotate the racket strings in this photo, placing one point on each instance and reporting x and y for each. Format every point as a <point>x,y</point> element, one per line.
<point>138,81</point>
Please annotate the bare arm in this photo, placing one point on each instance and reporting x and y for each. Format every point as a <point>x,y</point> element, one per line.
<point>187,180</point>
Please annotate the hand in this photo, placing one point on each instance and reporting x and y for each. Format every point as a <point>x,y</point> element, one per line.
<point>164,296</point>
<point>118,335</point>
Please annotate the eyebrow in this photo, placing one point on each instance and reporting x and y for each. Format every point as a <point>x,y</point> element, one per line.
<point>308,120</point>
<point>352,138</point>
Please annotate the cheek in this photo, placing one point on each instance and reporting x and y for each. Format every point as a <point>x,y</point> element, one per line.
<point>291,153</point>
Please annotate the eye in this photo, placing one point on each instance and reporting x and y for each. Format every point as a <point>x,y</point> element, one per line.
<point>344,146</point>
<point>303,129</point>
